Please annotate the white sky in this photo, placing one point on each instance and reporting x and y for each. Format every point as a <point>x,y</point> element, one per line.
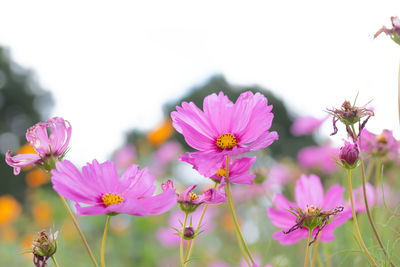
<point>111,64</point>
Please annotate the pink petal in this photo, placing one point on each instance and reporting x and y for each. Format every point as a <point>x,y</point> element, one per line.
<point>21,160</point>
<point>281,218</point>
<point>218,109</point>
<point>333,197</point>
<point>290,238</point>
<point>308,191</point>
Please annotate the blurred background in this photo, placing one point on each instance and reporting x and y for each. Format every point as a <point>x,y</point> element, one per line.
<point>117,70</point>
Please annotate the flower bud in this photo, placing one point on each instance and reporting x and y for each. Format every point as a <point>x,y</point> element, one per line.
<point>189,232</point>
<point>349,155</point>
<point>43,247</point>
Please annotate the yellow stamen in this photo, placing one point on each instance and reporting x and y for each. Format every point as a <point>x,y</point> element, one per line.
<point>381,139</point>
<point>192,196</point>
<point>221,172</point>
<point>226,141</point>
<point>311,210</point>
<point>111,199</point>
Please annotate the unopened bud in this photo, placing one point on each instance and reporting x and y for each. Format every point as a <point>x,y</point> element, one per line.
<point>189,232</point>
<point>349,155</point>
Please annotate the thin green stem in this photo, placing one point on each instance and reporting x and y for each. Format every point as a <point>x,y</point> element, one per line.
<point>315,250</point>
<point>308,248</point>
<point>54,261</point>
<point>370,219</point>
<point>187,258</point>
<point>181,245</point>
<point>103,242</point>
<point>234,218</point>
<point>357,230</point>
<point>85,243</point>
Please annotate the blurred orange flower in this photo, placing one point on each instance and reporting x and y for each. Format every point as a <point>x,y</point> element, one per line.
<point>10,209</point>
<point>36,177</point>
<point>26,149</point>
<point>42,214</point>
<point>26,244</point>
<point>161,133</point>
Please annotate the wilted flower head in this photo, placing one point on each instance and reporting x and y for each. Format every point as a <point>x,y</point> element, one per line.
<point>224,128</point>
<point>43,247</point>
<point>349,155</point>
<point>379,145</point>
<point>238,169</point>
<point>189,201</point>
<point>49,148</point>
<point>394,33</point>
<point>99,187</point>
<point>312,209</point>
<point>349,115</point>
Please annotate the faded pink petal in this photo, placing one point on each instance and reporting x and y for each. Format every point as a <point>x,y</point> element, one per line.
<point>21,160</point>
<point>308,191</point>
<point>318,157</point>
<point>306,125</point>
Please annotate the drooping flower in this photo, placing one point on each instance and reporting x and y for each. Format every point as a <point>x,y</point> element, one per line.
<point>43,247</point>
<point>311,201</point>
<point>102,192</point>
<point>349,155</point>
<point>190,201</point>
<point>306,125</point>
<point>394,33</point>
<point>379,145</point>
<point>238,169</point>
<point>319,158</point>
<point>49,148</point>
<point>224,128</point>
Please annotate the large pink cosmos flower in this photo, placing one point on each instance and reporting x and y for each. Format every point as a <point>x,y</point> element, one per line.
<point>308,193</point>
<point>379,145</point>
<point>224,128</point>
<point>238,169</point>
<point>306,125</point>
<point>49,148</point>
<point>102,192</point>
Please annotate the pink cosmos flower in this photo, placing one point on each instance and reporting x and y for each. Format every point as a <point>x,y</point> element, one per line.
<point>168,236</point>
<point>394,33</point>
<point>124,157</point>
<point>238,169</point>
<point>224,128</point>
<point>102,192</point>
<point>49,148</point>
<point>190,201</point>
<point>379,145</point>
<point>306,125</point>
<point>318,157</point>
<point>309,193</point>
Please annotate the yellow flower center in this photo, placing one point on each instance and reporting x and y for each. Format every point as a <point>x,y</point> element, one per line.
<point>311,210</point>
<point>192,196</point>
<point>381,139</point>
<point>221,172</point>
<point>226,141</point>
<point>111,199</point>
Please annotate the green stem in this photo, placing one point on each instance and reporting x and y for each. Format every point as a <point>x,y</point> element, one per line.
<point>371,221</point>
<point>315,250</point>
<point>357,230</point>
<point>308,248</point>
<point>103,242</point>
<point>54,261</point>
<point>187,258</point>
<point>234,218</point>
<point>181,245</point>
<point>85,243</point>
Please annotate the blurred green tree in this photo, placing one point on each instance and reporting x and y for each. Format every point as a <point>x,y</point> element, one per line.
<point>22,103</point>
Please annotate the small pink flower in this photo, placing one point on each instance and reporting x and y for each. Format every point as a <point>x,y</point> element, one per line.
<point>306,125</point>
<point>309,194</point>
<point>394,33</point>
<point>318,157</point>
<point>124,157</point>
<point>102,192</point>
<point>224,128</point>
<point>379,145</point>
<point>238,169</point>
<point>49,148</point>
<point>190,201</point>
